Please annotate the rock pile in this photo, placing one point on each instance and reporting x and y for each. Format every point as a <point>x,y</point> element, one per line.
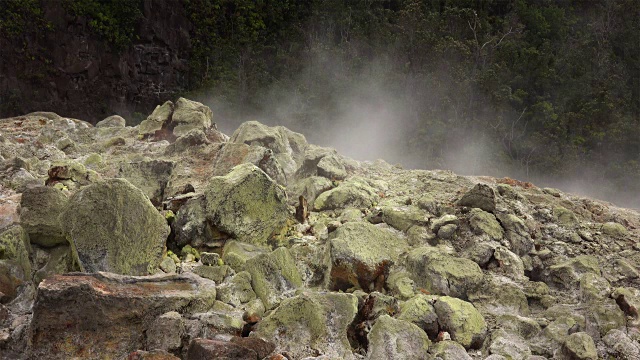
<point>171,240</point>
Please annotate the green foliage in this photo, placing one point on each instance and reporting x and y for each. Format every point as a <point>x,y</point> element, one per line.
<point>18,17</point>
<point>113,20</point>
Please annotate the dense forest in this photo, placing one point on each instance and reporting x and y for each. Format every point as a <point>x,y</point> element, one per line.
<point>540,90</point>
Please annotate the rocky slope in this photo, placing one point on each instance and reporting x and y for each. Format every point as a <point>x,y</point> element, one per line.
<point>172,240</point>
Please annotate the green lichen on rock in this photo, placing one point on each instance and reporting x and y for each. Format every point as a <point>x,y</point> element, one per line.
<point>235,254</point>
<point>567,274</point>
<point>247,204</point>
<point>190,115</point>
<point>112,226</point>
<point>448,350</point>
<point>15,247</point>
<point>580,346</point>
<point>419,310</point>
<point>391,338</point>
<point>360,253</point>
<point>150,176</point>
<point>614,230</point>
<point>40,208</point>
<point>441,273</point>
<point>274,276</point>
<point>565,217</point>
<point>154,122</point>
<point>311,324</point>
<point>462,320</point>
<point>351,193</point>
<point>404,217</point>
<point>482,222</point>
<point>237,291</point>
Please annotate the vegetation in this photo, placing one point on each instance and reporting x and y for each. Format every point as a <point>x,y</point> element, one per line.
<point>553,86</point>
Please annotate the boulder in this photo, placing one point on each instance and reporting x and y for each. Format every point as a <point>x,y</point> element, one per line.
<point>461,319</point>
<point>189,115</point>
<point>237,291</point>
<point>112,226</point>
<point>158,119</point>
<point>620,346</point>
<point>441,273</point>
<point>235,254</point>
<point>361,255</point>
<point>40,208</point>
<point>331,167</point>
<point>151,355</point>
<point>567,274</point>
<point>191,227</point>
<point>517,234</point>
<point>311,324</point>
<point>166,332</point>
<point>15,267</point>
<point>309,188</point>
<point>395,339</point>
<point>480,196</point>
<point>204,349</point>
<point>232,155</point>
<point>60,260</point>
<point>246,204</point>
<point>351,193</point>
<point>101,316</point>
<point>112,121</point>
<point>448,350</point>
<point>274,276</point>
<point>499,295</point>
<point>404,217</point>
<point>511,346</point>
<point>484,223</point>
<point>419,310</point>
<point>150,176</point>
<point>579,346</point>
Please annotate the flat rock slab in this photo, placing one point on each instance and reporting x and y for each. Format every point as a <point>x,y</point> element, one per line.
<point>104,315</point>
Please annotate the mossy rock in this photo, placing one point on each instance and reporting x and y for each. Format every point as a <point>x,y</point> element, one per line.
<point>15,247</point>
<point>247,204</point>
<point>391,338</point>
<point>39,215</point>
<point>236,254</point>
<point>526,327</point>
<point>236,291</point>
<point>154,122</point>
<point>311,324</point>
<point>485,223</point>
<point>112,226</point>
<point>579,346</point>
<point>351,193</point>
<point>462,320</point>
<point>567,275</point>
<point>480,196</point>
<point>565,217</point>
<point>215,273</point>
<point>448,350</point>
<point>112,121</point>
<point>614,230</point>
<point>419,311</point>
<point>150,176</point>
<point>509,345</point>
<point>361,254</point>
<point>442,274</point>
<point>404,217</point>
<point>189,115</point>
<point>274,276</point>
<point>517,233</point>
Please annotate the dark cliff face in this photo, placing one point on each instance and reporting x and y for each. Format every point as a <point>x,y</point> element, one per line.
<point>71,70</point>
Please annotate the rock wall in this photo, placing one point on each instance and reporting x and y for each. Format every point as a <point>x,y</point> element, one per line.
<point>73,71</point>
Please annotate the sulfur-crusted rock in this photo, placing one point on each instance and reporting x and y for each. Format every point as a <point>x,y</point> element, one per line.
<point>461,319</point>
<point>567,274</point>
<point>157,120</point>
<point>517,234</point>
<point>189,115</point>
<point>614,230</point>
<point>620,346</point>
<point>40,208</point>
<point>500,295</point>
<point>246,204</point>
<point>351,193</point>
<point>150,176</point>
<point>565,217</point>
<point>394,339</point>
<point>480,196</point>
<point>511,346</point>
<point>15,268</point>
<point>579,346</point>
<point>419,311</point>
<point>274,276</point>
<point>101,316</point>
<point>112,121</point>
<point>482,222</point>
<point>311,324</point>
<point>112,226</point>
<point>520,325</point>
<point>237,291</point>
<point>361,255</point>
<point>448,350</point>
<point>404,217</point>
<point>441,273</point>
<point>309,187</point>
<point>235,254</point>
<point>331,167</point>
<point>232,154</point>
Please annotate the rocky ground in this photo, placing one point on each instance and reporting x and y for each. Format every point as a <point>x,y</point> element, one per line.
<point>172,240</point>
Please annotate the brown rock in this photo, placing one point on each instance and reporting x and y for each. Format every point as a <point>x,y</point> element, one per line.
<point>205,349</point>
<point>261,347</point>
<point>151,355</point>
<point>105,315</point>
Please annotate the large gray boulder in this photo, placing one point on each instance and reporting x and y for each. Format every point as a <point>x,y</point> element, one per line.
<point>351,193</point>
<point>274,276</point>
<point>150,176</point>
<point>462,320</point>
<point>189,115</point>
<point>112,226</point>
<point>158,119</point>
<point>246,204</point>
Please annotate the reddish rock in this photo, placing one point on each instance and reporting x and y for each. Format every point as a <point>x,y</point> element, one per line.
<point>205,349</point>
<point>261,347</point>
<point>104,315</point>
<point>152,355</point>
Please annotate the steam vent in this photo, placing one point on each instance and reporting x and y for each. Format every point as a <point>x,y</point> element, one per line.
<point>172,240</point>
